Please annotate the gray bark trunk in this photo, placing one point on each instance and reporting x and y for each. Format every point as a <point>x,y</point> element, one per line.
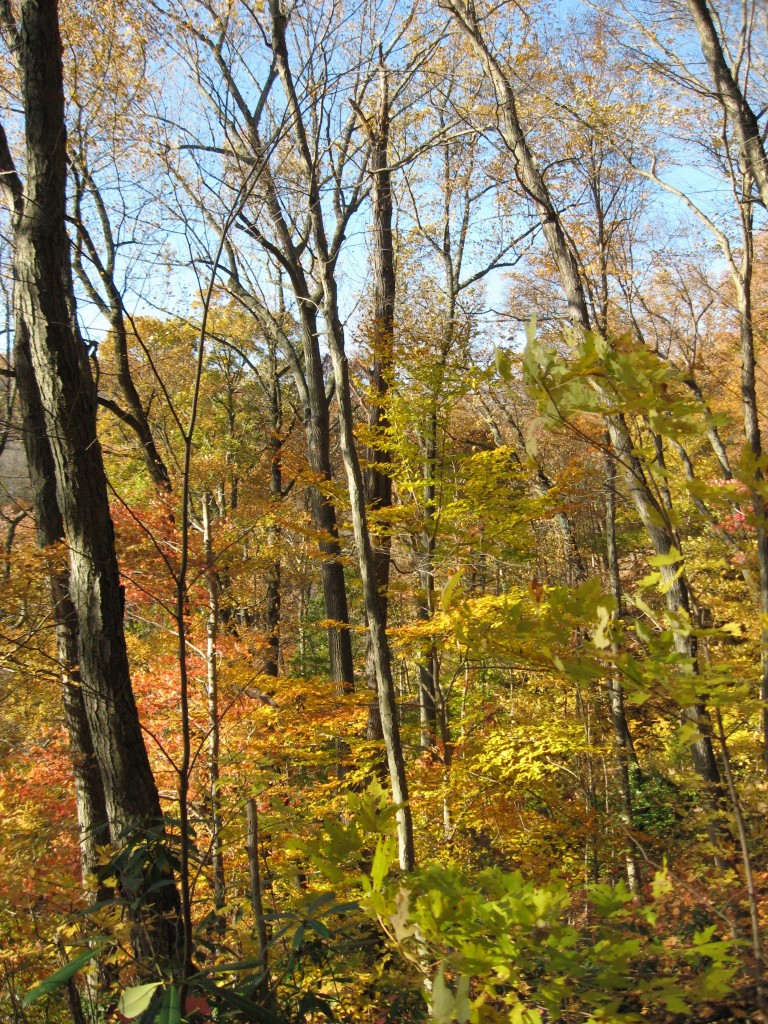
<point>376,626</point>
<point>323,511</point>
<point>212,693</point>
<point>626,760</point>
<point>732,98</point>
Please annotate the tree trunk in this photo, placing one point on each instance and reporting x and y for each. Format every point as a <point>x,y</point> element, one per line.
<point>753,437</point>
<point>376,627</point>
<point>323,510</point>
<point>273,602</point>
<point>316,418</point>
<point>89,792</point>
<point>731,97</point>
<point>626,760</point>
<point>44,306</point>
<point>378,482</point>
<point>428,680</point>
<point>212,693</point>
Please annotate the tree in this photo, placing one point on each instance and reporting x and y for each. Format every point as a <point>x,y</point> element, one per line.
<point>649,510</point>
<point>269,219</point>
<point>62,385</point>
<point>378,480</point>
<point>327,252</point>
<point>730,93</point>
<point>103,153</point>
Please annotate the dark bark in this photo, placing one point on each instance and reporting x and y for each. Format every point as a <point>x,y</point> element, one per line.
<point>317,424</point>
<point>259,922</point>
<point>273,602</point>
<point>378,481</point>
<point>89,792</point>
<point>44,307</point>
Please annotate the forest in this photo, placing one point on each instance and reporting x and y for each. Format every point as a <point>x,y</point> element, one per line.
<point>384,507</point>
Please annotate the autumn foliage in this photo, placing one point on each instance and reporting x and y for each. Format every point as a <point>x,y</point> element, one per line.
<point>566,401</point>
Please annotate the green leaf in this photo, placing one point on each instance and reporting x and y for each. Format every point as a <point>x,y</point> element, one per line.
<point>600,638</point>
<point>170,1010</point>
<point>463,1006</point>
<point>666,585</point>
<point>531,444</point>
<point>382,859</point>
<point>251,1010</point>
<point>674,1001</point>
<point>60,977</point>
<point>229,968</point>
<point>402,925</point>
<point>443,1000</point>
<point>135,1000</point>
<point>649,581</point>
<point>451,590</point>
<point>503,365</point>
<point>661,884</point>
<point>671,558</point>
<point>319,928</point>
<point>688,734</point>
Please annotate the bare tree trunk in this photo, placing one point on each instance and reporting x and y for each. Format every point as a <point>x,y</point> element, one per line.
<point>626,760</point>
<point>428,681</point>
<point>324,512</point>
<point>89,791</point>
<point>376,625</point>
<point>273,597</point>
<point>731,97</point>
<point>316,418</point>
<point>44,306</point>
<point>378,482</point>
<point>212,692</point>
<point>257,906</point>
<point>753,170</point>
<point>753,437</point>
